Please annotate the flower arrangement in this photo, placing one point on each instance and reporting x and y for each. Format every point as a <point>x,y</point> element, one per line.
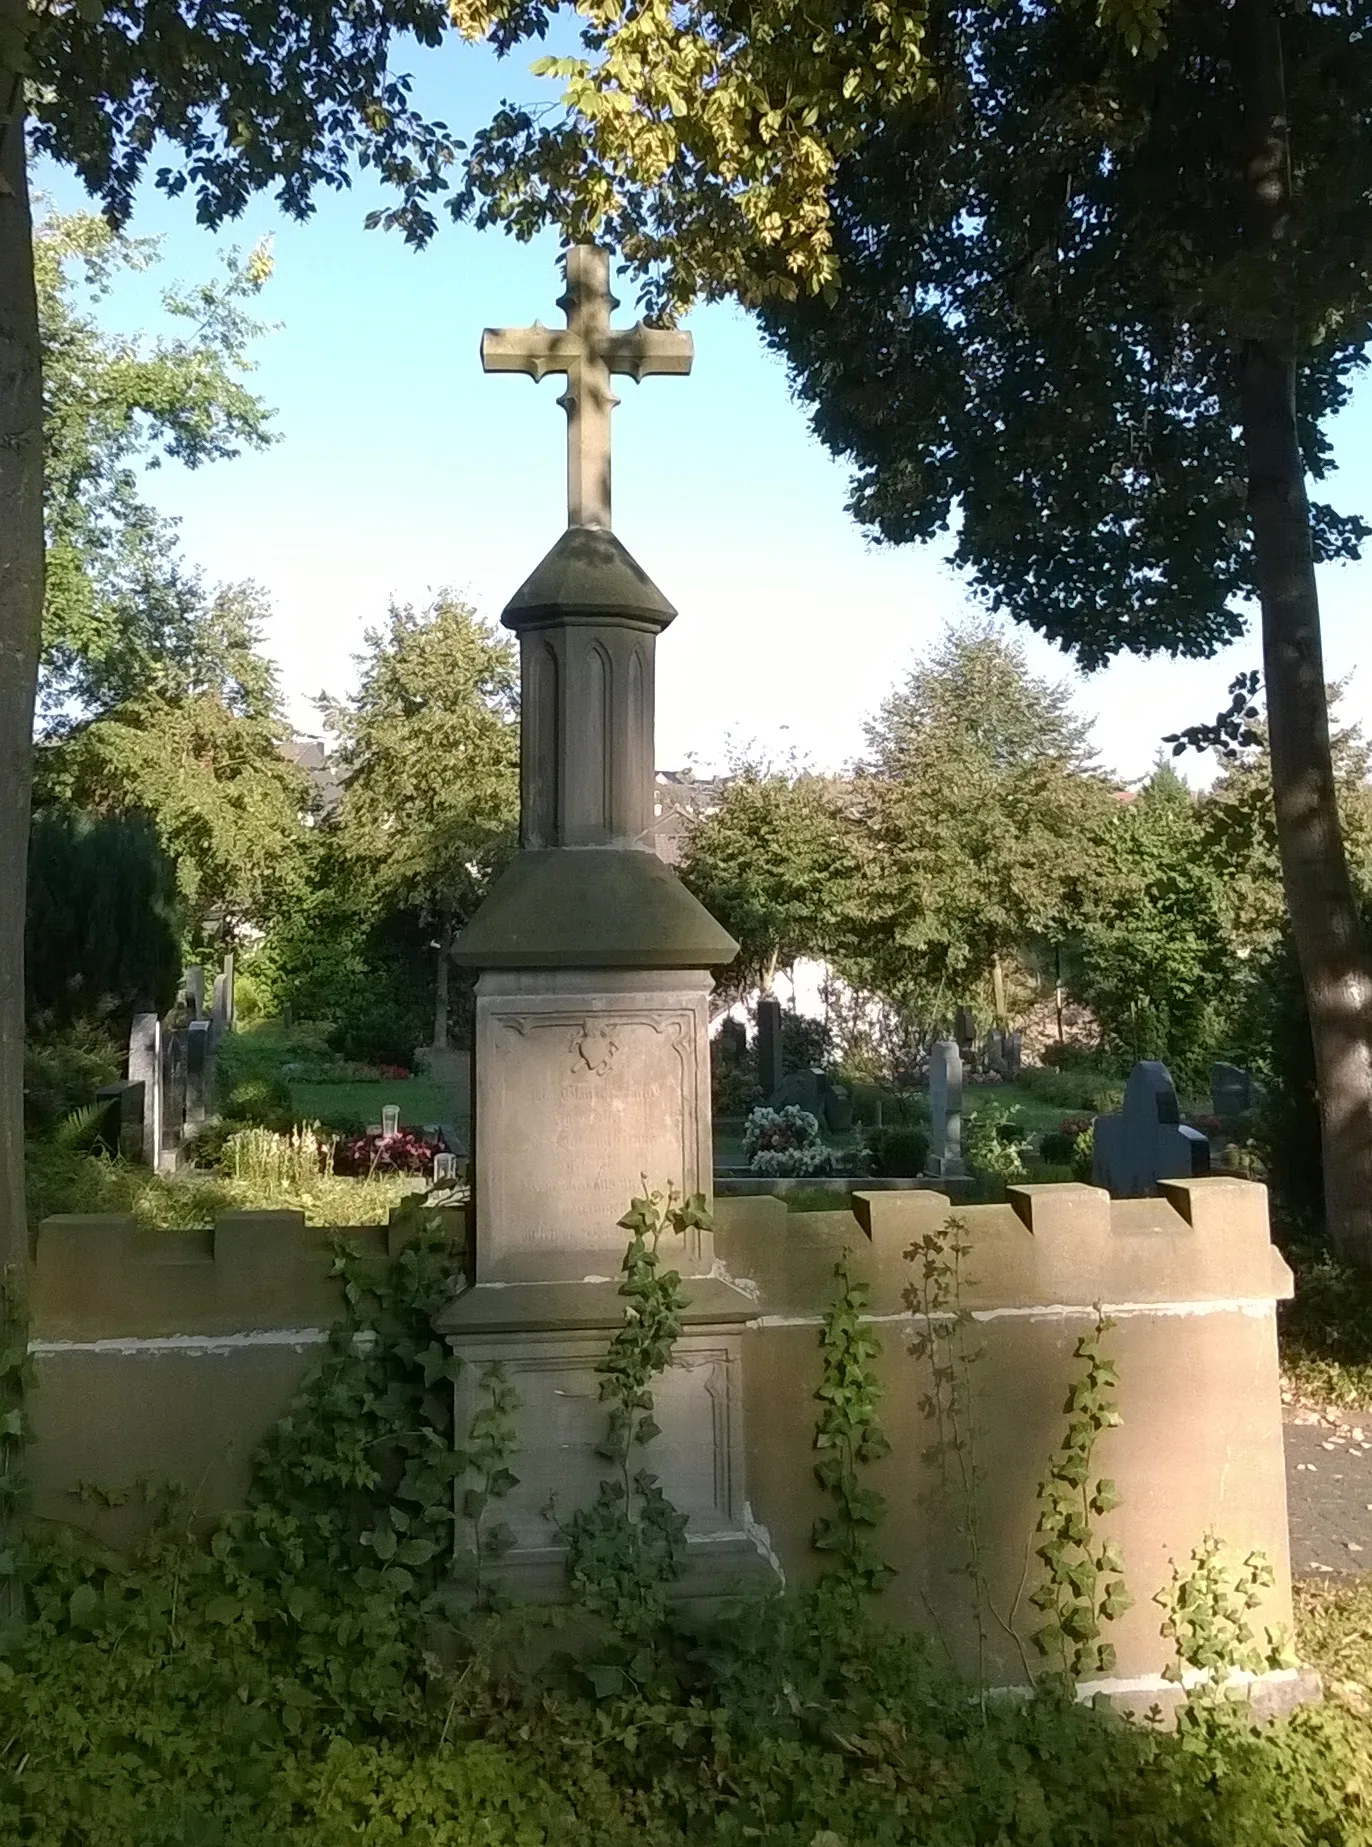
<point>405,1151</point>
<point>786,1144</point>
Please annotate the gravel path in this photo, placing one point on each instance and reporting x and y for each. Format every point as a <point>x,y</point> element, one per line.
<point>1329,1493</point>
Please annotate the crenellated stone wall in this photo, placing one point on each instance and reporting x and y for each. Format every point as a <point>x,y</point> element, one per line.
<point>1191,1280</point>
<point>168,1355</point>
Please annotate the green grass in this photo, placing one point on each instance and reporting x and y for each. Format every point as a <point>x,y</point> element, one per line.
<point>420,1099</point>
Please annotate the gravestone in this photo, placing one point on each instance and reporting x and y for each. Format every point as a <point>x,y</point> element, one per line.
<point>145,1068</point>
<point>199,1073</point>
<point>814,1091</point>
<point>1014,1054</point>
<point>592,1054</point>
<point>222,999</point>
<point>945,1110</point>
<point>770,1067</point>
<point>193,987</point>
<point>1233,1091</point>
<point>1147,1142</point>
<point>993,1052</point>
<point>965,1030</point>
<point>175,1046</point>
<point>121,1130</point>
<point>733,1041</point>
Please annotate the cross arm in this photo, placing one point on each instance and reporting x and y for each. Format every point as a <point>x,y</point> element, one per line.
<point>535,350</point>
<point>644,352</point>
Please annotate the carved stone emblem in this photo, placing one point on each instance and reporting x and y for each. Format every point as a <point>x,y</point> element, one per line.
<point>594,1046</point>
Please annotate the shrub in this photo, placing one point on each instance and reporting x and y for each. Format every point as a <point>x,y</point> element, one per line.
<point>898,1151</point>
<point>265,1101</point>
<point>986,1151</point>
<point>377,1030</point>
<point>1084,1153</point>
<point>62,1072</point>
<point>734,1089</point>
<point>1057,1146</point>
<point>785,1143</point>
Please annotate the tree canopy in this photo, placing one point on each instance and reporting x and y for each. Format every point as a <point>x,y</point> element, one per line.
<point>773,862</point>
<point>198,750</point>
<point>119,599</point>
<point>977,807</point>
<point>429,754</point>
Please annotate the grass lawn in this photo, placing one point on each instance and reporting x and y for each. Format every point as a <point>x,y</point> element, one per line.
<point>421,1100</point>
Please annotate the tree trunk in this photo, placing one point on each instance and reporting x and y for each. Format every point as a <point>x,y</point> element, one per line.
<point>445,951</point>
<point>21,612</point>
<point>1327,929</point>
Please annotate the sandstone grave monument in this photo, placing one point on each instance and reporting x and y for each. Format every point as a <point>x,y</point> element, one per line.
<point>168,1355</point>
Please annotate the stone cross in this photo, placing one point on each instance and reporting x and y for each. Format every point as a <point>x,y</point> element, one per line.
<point>589,351</point>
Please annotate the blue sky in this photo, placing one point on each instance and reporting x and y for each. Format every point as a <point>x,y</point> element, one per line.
<point>401,467</point>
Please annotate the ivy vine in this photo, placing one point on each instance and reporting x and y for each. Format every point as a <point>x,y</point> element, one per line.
<point>629,1544</point>
<point>491,1444</point>
<point>1083,1585</point>
<point>1206,1618</point>
<point>849,1436</point>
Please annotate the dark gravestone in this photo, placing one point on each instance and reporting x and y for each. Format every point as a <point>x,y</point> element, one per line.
<point>733,1041</point>
<point>769,1065</point>
<point>1233,1091</point>
<point>121,1119</point>
<point>1014,1054</point>
<point>175,1046</point>
<point>829,1103</point>
<point>965,1030</point>
<point>1147,1142</point>
<point>199,1072</point>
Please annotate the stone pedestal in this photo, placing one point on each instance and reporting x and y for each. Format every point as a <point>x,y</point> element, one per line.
<point>589,1081</point>
<point>550,1339</point>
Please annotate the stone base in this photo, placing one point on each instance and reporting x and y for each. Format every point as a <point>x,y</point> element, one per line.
<point>588,1083</point>
<point>550,1339</point>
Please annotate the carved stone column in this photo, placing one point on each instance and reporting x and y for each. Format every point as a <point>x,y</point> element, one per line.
<point>592,1007</point>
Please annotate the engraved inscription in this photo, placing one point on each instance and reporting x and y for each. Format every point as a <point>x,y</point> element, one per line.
<point>580,1108</point>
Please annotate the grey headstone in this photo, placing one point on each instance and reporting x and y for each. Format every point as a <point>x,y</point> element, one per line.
<point>1147,1142</point>
<point>945,1109</point>
<point>1231,1090</point>
<point>965,1029</point>
<point>813,1090</point>
<point>993,1052</point>
<point>769,1064</point>
<point>1014,1054</point>
<point>193,987</point>
<point>145,1068</point>
<point>199,1072</point>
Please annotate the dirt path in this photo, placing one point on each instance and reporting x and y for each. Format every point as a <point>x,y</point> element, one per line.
<point>1329,1493</point>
